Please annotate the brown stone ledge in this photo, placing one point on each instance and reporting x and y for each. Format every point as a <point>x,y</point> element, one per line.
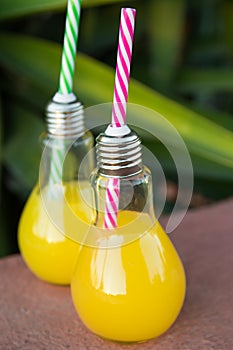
<point>38,316</point>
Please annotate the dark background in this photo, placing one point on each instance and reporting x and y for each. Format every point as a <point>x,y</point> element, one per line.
<point>183,49</point>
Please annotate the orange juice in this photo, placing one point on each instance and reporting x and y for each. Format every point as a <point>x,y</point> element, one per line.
<point>48,253</point>
<point>133,292</point>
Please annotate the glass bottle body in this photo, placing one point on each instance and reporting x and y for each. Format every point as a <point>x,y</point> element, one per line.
<point>129,284</point>
<point>47,251</point>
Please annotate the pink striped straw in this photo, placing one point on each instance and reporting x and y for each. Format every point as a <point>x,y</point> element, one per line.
<point>120,99</point>
<point>112,203</point>
<point>122,76</point>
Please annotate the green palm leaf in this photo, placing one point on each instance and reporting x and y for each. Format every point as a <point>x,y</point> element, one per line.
<point>38,61</point>
<point>11,9</point>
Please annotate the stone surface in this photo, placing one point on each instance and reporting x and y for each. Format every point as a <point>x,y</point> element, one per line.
<point>38,316</point>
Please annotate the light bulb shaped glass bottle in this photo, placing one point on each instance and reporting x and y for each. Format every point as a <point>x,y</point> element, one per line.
<point>129,282</point>
<point>47,251</point>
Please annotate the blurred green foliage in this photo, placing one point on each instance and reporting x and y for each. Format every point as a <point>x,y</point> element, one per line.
<point>182,68</point>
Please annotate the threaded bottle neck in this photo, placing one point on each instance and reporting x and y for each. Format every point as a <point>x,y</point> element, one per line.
<point>65,120</point>
<point>119,156</point>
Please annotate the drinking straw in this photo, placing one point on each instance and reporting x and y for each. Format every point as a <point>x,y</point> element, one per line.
<point>124,55</point>
<point>122,76</point>
<point>69,47</point>
<point>111,204</point>
<point>66,79</point>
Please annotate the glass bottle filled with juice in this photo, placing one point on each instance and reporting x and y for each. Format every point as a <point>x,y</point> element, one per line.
<point>47,251</point>
<point>129,282</point>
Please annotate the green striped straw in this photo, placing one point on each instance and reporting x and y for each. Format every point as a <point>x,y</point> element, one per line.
<point>69,47</point>
<point>64,95</point>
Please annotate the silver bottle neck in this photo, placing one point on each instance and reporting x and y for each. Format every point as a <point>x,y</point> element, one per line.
<point>65,117</point>
<point>119,156</point>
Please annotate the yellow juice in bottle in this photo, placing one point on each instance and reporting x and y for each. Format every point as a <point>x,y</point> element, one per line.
<point>132,292</point>
<point>47,252</point>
